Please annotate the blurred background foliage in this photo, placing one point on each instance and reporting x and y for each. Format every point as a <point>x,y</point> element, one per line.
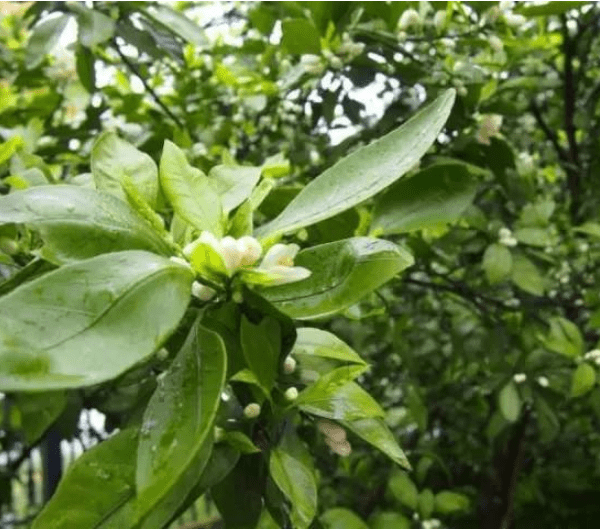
<point>485,352</point>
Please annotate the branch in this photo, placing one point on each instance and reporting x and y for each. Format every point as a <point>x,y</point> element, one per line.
<point>550,134</point>
<point>134,69</point>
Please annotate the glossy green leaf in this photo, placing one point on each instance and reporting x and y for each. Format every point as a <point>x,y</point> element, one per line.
<point>342,273</point>
<point>189,191</point>
<point>102,480</point>
<point>89,322</point>
<point>114,158</point>
<point>347,403</point>
<point>404,490</point>
<point>583,379</point>
<point>365,172</point>
<point>509,402</point>
<point>239,496</point>
<point>564,337</point>
<point>241,442</point>
<point>234,183</point>
<point>315,342</point>
<point>44,37</point>
<point>339,518</point>
<point>261,347</point>
<point>10,147</point>
<point>389,520</point>
<point>291,467</point>
<point>526,276</point>
<point>448,502</point>
<point>179,24</point>
<point>433,196</point>
<point>300,36</point>
<point>85,66</point>
<point>94,27</point>
<point>77,223</point>
<point>533,236</point>
<point>375,432</point>
<point>497,263</point>
<point>177,429</point>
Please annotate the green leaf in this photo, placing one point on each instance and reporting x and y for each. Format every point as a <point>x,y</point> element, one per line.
<point>434,196</point>
<point>533,236</point>
<point>178,23</point>
<point>240,442</point>
<point>261,346</point>
<point>329,383</point>
<point>404,490</point>
<point>583,380</point>
<point>102,480</point>
<point>589,228</point>
<point>77,223</point>
<point>375,432</point>
<point>347,403</point>
<point>37,412</point>
<point>85,66</point>
<point>239,496</point>
<point>94,27</point>
<point>426,504</point>
<point>527,276</point>
<point>448,502</point>
<point>315,342</point>
<point>389,520</point>
<point>291,467</point>
<point>563,338</point>
<point>177,430</point>
<point>343,272</point>
<point>113,159</point>
<point>300,36</point>
<point>339,518</point>
<point>547,419</point>
<point>89,322</point>
<point>234,183</point>
<point>509,402</point>
<point>365,172</point>
<point>44,37</point>
<point>189,191</point>
<point>548,8</point>
<point>497,263</point>
<point>8,148</point>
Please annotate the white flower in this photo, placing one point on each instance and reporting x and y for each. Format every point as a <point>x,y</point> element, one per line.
<point>506,237</point>
<point>543,381</point>
<point>594,354</point>
<point>202,292</point>
<point>312,64</point>
<point>289,365</point>
<point>496,43</point>
<point>514,20</point>
<point>488,128</point>
<point>519,378</point>
<point>277,267</point>
<point>291,394</point>
<point>252,411</point>
<point>409,18</point>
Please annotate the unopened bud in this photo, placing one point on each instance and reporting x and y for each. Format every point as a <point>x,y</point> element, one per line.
<point>289,365</point>
<point>252,411</point>
<point>291,394</point>
<point>219,434</point>
<point>9,246</point>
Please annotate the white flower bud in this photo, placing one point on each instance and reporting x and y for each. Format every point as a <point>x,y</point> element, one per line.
<point>519,378</point>
<point>252,411</point>
<point>409,18</point>
<point>543,381</point>
<point>202,292</point>
<point>336,63</point>
<point>289,365</point>
<point>291,394</point>
<point>231,253</point>
<point>219,434</point>
<point>250,250</point>
<point>162,354</point>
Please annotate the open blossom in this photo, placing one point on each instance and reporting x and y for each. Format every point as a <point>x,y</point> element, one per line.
<point>277,267</point>
<point>488,128</point>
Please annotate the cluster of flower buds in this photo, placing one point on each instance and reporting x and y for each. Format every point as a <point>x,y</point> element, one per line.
<point>216,260</point>
<point>335,437</point>
<point>506,237</point>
